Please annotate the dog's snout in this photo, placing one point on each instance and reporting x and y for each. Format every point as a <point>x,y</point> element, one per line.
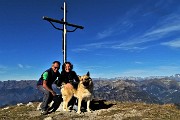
<point>86,83</point>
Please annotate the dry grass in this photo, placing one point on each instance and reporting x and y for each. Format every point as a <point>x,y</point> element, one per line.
<point>142,111</point>
<point>19,113</point>
<point>118,111</point>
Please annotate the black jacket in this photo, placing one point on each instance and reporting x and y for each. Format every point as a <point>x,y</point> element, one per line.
<point>68,77</point>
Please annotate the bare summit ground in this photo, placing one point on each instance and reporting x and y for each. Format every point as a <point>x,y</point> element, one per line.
<point>103,111</point>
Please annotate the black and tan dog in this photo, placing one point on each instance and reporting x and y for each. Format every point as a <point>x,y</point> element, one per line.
<point>83,92</point>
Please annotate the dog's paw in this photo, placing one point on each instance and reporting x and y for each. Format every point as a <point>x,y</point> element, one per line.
<point>66,110</point>
<point>78,112</point>
<point>88,110</point>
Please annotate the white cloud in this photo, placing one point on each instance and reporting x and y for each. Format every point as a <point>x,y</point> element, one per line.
<point>161,30</point>
<point>95,45</point>
<point>138,42</point>
<point>128,47</point>
<point>119,26</point>
<point>105,33</point>
<point>28,66</point>
<point>24,66</point>
<point>165,26</point>
<point>100,44</point>
<point>164,30</point>
<point>104,54</point>
<point>174,43</point>
<point>80,50</point>
<point>20,66</point>
<point>137,62</point>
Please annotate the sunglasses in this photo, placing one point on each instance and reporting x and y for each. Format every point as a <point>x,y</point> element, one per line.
<point>56,68</point>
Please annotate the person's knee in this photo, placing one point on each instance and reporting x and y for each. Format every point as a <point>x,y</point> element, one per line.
<point>48,95</point>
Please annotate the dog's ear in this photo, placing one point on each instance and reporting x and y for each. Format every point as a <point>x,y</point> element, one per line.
<point>88,74</point>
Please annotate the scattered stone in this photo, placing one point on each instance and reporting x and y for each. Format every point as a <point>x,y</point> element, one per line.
<point>30,104</point>
<point>6,108</point>
<point>48,118</point>
<point>39,106</point>
<point>19,104</point>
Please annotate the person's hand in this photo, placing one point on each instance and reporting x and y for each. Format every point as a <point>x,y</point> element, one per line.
<point>53,93</point>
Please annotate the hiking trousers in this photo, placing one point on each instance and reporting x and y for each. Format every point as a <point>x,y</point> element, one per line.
<point>48,97</point>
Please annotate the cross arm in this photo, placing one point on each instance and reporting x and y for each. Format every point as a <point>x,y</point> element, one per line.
<point>61,22</point>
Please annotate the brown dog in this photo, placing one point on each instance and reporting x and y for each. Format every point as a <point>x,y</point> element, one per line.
<point>83,92</point>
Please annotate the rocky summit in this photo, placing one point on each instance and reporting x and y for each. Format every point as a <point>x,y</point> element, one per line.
<point>100,110</point>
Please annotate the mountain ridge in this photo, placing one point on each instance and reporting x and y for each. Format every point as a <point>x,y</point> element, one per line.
<point>160,91</point>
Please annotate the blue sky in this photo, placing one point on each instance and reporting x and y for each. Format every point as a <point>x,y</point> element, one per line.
<point>120,37</point>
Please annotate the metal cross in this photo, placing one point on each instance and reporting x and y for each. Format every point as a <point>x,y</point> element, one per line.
<point>64,23</point>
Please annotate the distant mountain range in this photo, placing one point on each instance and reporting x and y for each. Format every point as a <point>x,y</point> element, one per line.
<point>149,91</point>
<point>12,92</point>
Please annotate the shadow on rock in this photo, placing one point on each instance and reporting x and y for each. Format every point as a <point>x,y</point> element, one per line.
<point>100,104</point>
<point>97,105</point>
<point>57,101</point>
<point>177,105</point>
